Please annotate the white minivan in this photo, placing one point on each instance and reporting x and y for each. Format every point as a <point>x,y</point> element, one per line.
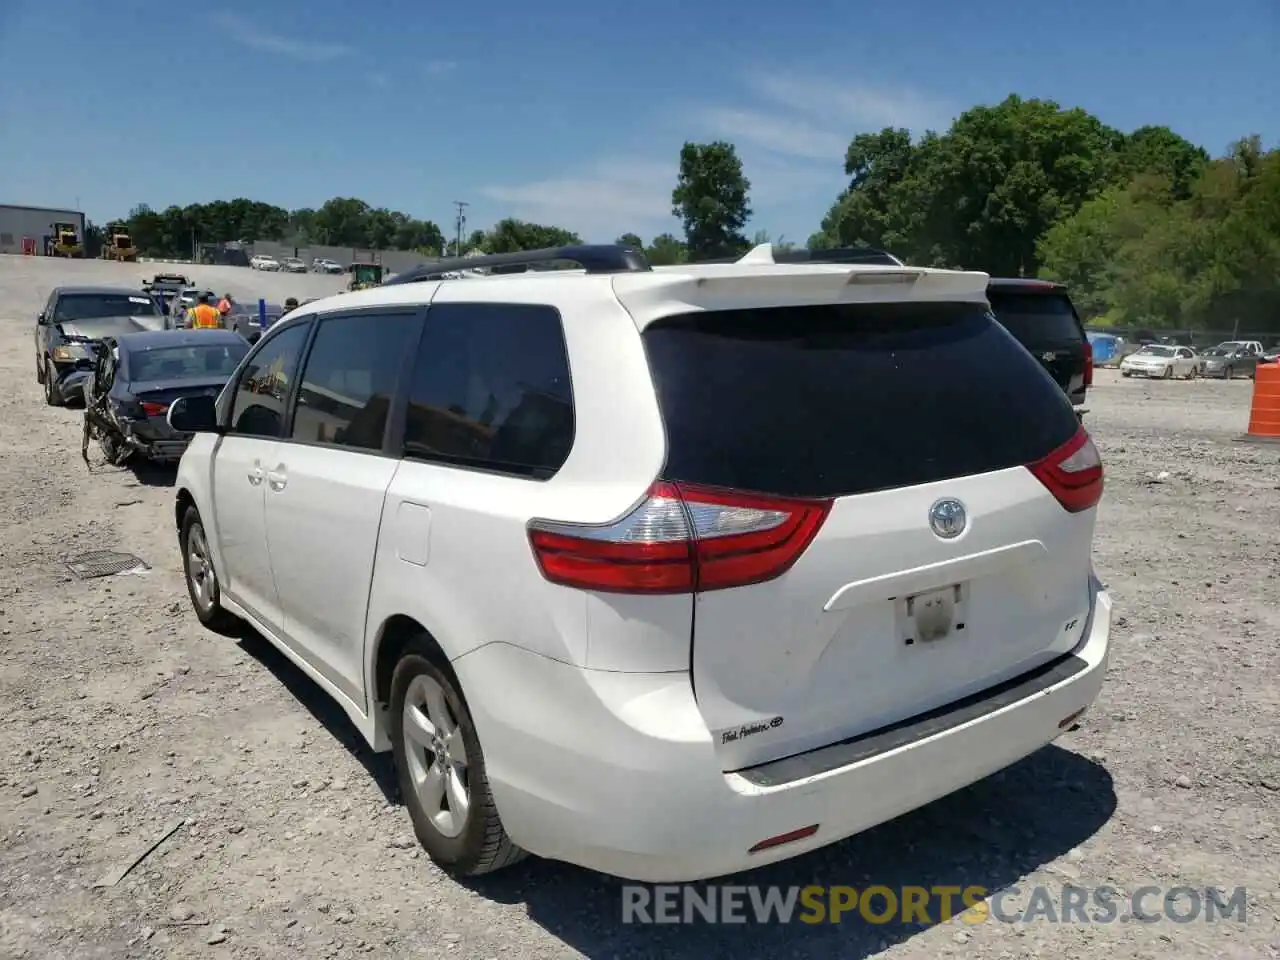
<point>667,573</point>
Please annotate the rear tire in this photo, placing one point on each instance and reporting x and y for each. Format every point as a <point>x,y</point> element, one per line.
<point>202,579</point>
<point>440,769</point>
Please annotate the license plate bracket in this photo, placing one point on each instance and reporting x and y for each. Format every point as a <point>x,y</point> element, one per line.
<point>932,615</point>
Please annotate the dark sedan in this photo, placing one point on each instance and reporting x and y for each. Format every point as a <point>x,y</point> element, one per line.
<point>73,321</point>
<point>136,376</point>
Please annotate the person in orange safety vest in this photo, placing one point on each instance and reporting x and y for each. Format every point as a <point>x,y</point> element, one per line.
<point>205,316</point>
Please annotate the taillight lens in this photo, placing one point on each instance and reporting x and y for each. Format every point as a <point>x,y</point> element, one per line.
<point>154,409</point>
<point>1088,364</point>
<point>1073,473</point>
<point>681,539</point>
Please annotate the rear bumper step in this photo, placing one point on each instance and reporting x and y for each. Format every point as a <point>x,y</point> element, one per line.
<point>777,773</point>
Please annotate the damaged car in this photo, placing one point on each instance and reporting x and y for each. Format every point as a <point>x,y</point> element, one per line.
<point>74,320</point>
<point>136,376</point>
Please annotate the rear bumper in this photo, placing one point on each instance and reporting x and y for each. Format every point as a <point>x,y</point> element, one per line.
<point>143,440</point>
<point>616,772</point>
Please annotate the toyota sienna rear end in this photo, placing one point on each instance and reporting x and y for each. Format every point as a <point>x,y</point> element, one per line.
<point>876,552</point>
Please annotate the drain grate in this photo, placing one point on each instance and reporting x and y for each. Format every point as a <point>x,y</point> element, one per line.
<point>104,563</point>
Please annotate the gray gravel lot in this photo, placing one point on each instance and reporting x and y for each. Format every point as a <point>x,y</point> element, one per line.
<point>121,716</point>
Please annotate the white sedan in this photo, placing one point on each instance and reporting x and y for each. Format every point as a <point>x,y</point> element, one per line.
<point>263,262</point>
<point>1158,360</point>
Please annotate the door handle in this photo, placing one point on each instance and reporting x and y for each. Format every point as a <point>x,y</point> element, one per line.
<point>255,474</point>
<point>277,479</point>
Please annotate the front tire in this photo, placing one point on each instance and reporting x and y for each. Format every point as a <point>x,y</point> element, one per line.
<point>440,769</point>
<point>51,395</point>
<point>1167,374</point>
<point>202,579</point>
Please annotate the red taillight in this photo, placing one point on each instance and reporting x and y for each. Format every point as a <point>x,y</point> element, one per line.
<point>681,539</point>
<point>154,409</point>
<point>1073,473</point>
<point>1088,364</point>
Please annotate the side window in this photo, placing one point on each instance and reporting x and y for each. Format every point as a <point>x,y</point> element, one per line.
<point>349,378</point>
<point>257,409</point>
<point>491,390</point>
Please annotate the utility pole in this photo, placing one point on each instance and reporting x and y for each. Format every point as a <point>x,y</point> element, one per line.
<point>460,223</point>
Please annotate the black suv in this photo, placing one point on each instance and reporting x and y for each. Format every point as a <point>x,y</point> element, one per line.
<point>1042,318</point>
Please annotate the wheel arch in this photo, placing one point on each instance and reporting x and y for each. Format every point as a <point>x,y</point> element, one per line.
<point>183,502</point>
<point>393,636</point>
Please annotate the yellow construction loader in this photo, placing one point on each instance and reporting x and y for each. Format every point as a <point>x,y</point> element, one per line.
<point>118,245</point>
<point>66,240</point>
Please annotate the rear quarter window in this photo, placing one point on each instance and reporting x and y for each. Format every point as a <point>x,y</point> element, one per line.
<point>847,399</point>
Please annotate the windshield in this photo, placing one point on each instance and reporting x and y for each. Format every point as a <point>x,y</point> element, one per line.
<point>181,363</point>
<point>99,306</point>
<point>1156,351</point>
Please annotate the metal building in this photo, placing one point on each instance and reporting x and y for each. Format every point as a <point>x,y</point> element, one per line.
<point>33,224</point>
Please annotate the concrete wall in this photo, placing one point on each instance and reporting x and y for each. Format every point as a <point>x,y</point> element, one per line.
<point>18,222</point>
<point>396,261</point>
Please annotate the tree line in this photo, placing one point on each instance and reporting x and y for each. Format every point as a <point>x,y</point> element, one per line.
<point>1146,227</point>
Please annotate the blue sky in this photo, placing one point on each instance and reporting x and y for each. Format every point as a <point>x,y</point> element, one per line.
<point>572,113</point>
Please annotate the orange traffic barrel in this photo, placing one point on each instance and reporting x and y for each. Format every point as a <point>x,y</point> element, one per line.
<point>1264,414</point>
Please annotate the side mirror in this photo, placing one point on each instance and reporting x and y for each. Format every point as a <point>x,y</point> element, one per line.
<point>193,415</point>
<point>42,320</point>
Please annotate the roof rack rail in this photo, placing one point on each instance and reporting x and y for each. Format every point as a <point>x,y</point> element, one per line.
<point>594,258</point>
<point>868,255</point>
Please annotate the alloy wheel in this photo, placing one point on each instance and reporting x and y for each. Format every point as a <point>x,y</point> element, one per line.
<point>200,573</point>
<point>437,758</point>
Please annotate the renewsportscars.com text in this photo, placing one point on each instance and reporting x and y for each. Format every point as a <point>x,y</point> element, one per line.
<point>676,904</point>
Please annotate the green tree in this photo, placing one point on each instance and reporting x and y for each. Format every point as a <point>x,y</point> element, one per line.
<point>711,199</point>
<point>979,195</point>
<point>870,212</point>
<point>630,240</point>
<point>666,250</point>
<point>511,235</point>
<point>1161,252</point>
<point>341,222</point>
<point>1160,151</point>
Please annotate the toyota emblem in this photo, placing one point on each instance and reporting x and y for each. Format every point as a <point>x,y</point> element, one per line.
<point>947,518</point>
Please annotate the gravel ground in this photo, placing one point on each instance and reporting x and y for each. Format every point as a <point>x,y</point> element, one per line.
<point>122,717</point>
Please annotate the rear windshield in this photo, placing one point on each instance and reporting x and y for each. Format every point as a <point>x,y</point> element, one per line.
<point>186,362</point>
<point>1035,318</point>
<point>845,399</point>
